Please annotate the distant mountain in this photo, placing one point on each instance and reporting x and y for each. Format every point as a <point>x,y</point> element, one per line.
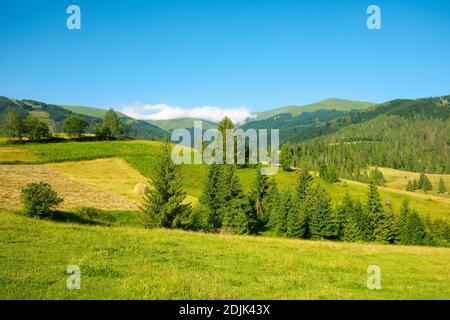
<point>185,123</point>
<point>55,115</point>
<point>327,104</point>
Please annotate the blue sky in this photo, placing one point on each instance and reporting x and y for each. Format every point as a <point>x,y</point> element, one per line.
<point>253,54</point>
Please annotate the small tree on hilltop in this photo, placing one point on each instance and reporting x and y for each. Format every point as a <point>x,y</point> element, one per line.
<point>163,205</point>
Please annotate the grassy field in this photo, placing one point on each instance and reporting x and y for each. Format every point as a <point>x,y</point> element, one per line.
<point>125,263</point>
<point>99,167</point>
<point>398,179</point>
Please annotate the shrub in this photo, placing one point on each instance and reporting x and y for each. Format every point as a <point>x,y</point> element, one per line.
<point>39,199</point>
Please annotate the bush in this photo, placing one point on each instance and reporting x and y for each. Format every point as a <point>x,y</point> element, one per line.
<point>39,199</point>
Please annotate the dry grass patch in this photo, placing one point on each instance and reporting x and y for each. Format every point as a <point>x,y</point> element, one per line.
<point>75,193</point>
<point>15,153</point>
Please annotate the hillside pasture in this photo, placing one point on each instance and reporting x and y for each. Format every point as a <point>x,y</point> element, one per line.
<point>134,263</point>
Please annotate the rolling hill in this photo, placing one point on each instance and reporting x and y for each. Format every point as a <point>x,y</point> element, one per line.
<point>326,104</point>
<point>55,115</point>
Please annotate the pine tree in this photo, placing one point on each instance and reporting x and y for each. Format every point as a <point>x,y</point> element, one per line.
<point>211,197</point>
<point>357,227</point>
<point>415,185</point>
<point>441,188</point>
<point>259,191</point>
<point>386,231</point>
<point>402,218</point>
<point>343,213</point>
<point>286,157</point>
<point>303,184</point>
<point>414,230</point>
<point>323,222</point>
<point>297,220</point>
<point>237,213</point>
<point>280,212</point>
<point>424,183</point>
<point>270,200</point>
<point>375,210</point>
<point>409,186</point>
<point>163,205</point>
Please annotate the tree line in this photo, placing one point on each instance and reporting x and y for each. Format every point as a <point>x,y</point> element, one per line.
<point>304,212</point>
<point>31,127</point>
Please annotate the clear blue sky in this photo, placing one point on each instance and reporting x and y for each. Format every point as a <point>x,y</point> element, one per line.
<point>260,54</point>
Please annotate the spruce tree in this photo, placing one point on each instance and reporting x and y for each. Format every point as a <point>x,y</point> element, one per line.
<point>375,210</point>
<point>323,222</point>
<point>424,183</point>
<point>357,227</point>
<point>297,219</point>
<point>259,191</point>
<point>415,185</point>
<point>212,198</point>
<point>402,218</point>
<point>414,230</point>
<point>441,188</point>
<point>386,231</point>
<point>286,157</point>
<point>343,213</point>
<point>237,212</point>
<point>303,184</point>
<point>409,186</point>
<point>280,213</point>
<point>163,204</point>
<point>270,200</point>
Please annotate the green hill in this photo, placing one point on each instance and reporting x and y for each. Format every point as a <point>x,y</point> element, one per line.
<point>55,115</point>
<point>185,123</point>
<point>91,111</point>
<point>326,104</point>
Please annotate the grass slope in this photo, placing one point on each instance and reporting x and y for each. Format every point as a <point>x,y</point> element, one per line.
<point>92,112</point>
<point>133,263</point>
<point>327,104</point>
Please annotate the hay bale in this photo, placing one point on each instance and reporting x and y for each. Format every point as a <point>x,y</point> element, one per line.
<point>140,188</point>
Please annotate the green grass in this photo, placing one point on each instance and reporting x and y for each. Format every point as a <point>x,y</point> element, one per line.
<point>92,112</point>
<point>134,263</point>
<point>328,104</point>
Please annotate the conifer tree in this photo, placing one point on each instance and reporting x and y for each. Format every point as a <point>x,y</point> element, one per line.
<point>375,210</point>
<point>280,213</point>
<point>286,157</point>
<point>237,212</point>
<point>297,220</point>
<point>343,213</point>
<point>415,185</point>
<point>212,198</point>
<point>357,227</point>
<point>163,204</point>
<point>323,222</point>
<point>386,231</point>
<point>303,184</point>
<point>414,230</point>
<point>402,218</point>
<point>424,183</point>
<point>441,188</point>
<point>270,200</point>
<point>409,186</point>
<point>258,193</point>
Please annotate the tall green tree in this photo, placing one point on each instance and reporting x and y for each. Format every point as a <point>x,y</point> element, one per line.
<point>238,216</point>
<point>286,157</point>
<point>258,193</point>
<point>279,213</point>
<point>10,121</point>
<point>414,230</point>
<point>357,227</point>
<point>375,209</point>
<point>163,204</point>
<point>212,198</point>
<point>323,221</point>
<point>424,183</point>
<point>36,129</point>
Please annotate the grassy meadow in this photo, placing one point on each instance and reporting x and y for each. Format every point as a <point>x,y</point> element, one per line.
<point>121,260</point>
<point>134,263</point>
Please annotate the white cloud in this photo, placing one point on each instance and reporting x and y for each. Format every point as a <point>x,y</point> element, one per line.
<point>166,112</point>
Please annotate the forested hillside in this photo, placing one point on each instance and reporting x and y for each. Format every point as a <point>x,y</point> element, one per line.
<point>55,115</point>
<point>413,135</point>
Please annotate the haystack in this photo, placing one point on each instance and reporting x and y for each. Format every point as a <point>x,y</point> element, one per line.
<point>140,188</point>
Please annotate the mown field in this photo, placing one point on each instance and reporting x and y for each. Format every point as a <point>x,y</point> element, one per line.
<point>134,263</point>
